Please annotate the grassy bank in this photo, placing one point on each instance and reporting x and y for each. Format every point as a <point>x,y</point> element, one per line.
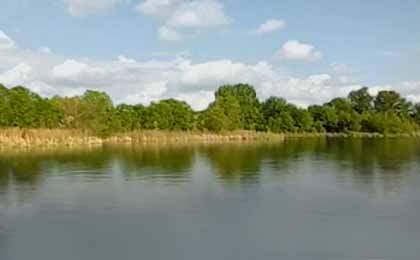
<point>27,138</point>
<point>13,137</point>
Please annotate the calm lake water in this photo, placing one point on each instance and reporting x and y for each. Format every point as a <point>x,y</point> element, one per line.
<point>304,199</point>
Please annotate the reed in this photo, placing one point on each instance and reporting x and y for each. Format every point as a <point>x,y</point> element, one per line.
<point>26,138</point>
<point>29,138</point>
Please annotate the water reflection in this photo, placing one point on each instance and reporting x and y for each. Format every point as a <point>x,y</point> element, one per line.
<point>155,162</point>
<point>302,199</point>
<point>372,162</point>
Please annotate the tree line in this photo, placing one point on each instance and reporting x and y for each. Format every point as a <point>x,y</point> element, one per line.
<point>236,107</point>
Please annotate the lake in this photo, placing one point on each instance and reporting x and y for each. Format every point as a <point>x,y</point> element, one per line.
<point>302,199</point>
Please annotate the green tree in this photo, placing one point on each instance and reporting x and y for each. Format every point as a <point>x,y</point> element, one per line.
<point>325,118</point>
<point>392,102</point>
<point>49,114</point>
<point>214,120</point>
<point>128,117</point>
<point>244,96</point>
<point>416,114</point>
<point>361,100</point>
<point>278,115</point>
<point>169,114</point>
<point>99,112</point>
<point>22,106</point>
<point>347,118</point>
<point>4,106</point>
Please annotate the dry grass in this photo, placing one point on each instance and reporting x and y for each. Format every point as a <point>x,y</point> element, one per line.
<point>26,138</point>
<point>14,137</point>
<point>29,138</point>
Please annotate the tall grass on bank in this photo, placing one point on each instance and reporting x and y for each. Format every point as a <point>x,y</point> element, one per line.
<point>14,137</point>
<point>27,138</point>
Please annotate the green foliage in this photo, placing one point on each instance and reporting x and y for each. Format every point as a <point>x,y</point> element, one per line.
<point>22,107</point>
<point>392,102</point>
<point>348,120</point>
<point>169,114</point>
<point>236,107</point>
<point>214,120</point>
<point>325,118</point>
<point>4,107</point>
<point>361,100</point>
<point>129,118</point>
<point>280,116</point>
<point>241,105</point>
<point>387,123</point>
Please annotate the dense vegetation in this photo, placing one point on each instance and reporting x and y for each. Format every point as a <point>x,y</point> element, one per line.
<point>235,107</point>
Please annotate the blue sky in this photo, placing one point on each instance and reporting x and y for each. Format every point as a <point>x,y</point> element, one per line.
<point>141,51</point>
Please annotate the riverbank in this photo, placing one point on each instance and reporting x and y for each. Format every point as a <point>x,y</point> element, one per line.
<point>29,138</point>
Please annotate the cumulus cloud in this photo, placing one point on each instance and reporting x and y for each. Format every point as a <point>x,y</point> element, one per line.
<point>197,14</point>
<point>298,51</point>
<point>184,15</point>
<point>150,92</point>
<point>5,41</point>
<point>270,26</point>
<point>17,75</point>
<point>131,81</point>
<point>87,7</point>
<point>198,100</point>
<point>74,71</point>
<point>169,34</point>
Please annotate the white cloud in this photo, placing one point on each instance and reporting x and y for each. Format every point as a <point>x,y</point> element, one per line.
<point>295,50</point>
<point>197,100</point>
<point>408,89</point>
<point>5,41</point>
<point>343,72</point>
<point>155,7</point>
<point>17,75</point>
<point>198,14</point>
<point>269,27</point>
<point>75,71</point>
<point>131,81</point>
<point>123,59</point>
<point>169,34</point>
<point>87,7</point>
<point>189,16</point>
<point>153,91</point>
<point>45,50</point>
<point>213,72</point>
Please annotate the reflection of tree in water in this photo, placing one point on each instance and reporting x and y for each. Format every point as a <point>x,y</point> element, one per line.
<point>283,156</point>
<point>21,172</point>
<point>160,162</point>
<point>235,162</point>
<point>374,162</point>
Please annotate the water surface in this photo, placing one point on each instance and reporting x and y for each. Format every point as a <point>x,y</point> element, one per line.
<point>304,199</point>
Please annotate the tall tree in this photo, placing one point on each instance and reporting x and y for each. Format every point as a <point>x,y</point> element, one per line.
<point>361,100</point>
<point>4,107</point>
<point>169,114</point>
<point>392,102</point>
<point>250,116</point>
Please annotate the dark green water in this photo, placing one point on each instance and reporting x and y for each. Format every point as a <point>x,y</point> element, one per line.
<point>305,199</point>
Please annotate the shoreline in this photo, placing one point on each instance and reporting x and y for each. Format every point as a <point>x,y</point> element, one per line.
<point>44,138</point>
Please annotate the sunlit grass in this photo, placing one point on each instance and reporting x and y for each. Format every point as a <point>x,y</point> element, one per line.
<point>15,137</point>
